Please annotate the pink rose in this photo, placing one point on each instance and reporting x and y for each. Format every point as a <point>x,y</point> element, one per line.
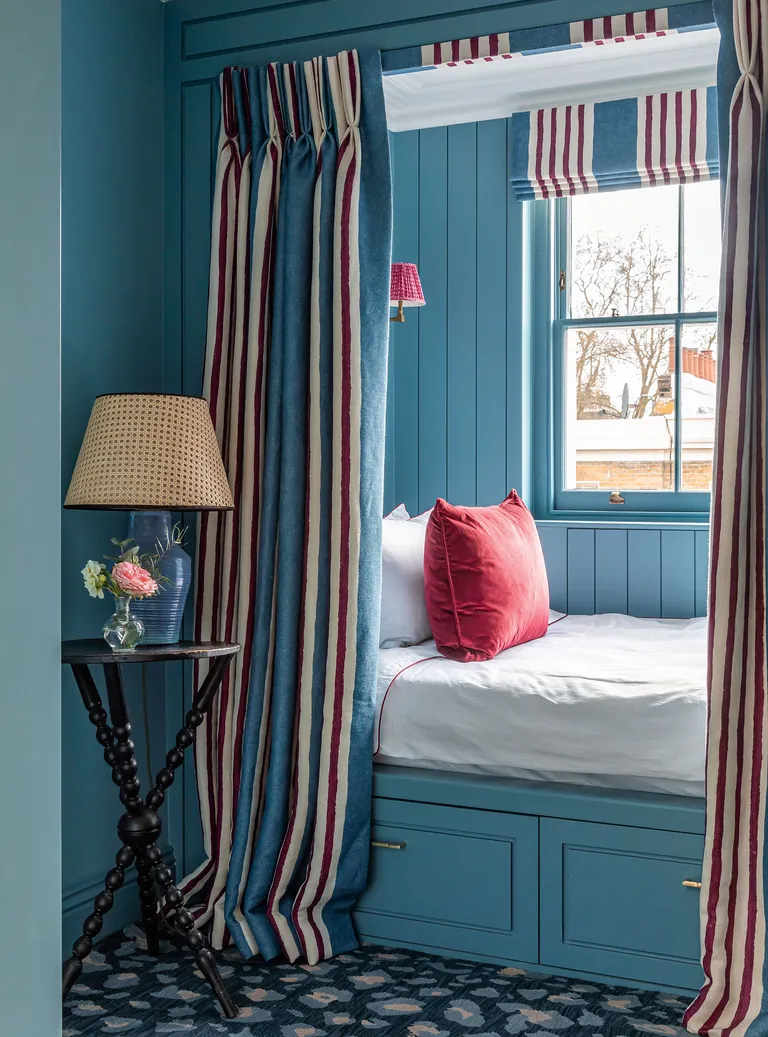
<point>133,580</point>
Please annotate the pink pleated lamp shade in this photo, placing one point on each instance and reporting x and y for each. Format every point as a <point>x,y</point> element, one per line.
<point>406,286</point>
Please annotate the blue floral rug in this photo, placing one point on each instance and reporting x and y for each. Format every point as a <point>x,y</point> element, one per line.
<point>374,989</point>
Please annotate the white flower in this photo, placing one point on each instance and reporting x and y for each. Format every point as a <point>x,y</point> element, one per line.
<point>92,578</point>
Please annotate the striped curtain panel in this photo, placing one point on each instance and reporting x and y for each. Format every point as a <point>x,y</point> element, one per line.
<point>295,373</point>
<point>668,138</point>
<point>733,909</point>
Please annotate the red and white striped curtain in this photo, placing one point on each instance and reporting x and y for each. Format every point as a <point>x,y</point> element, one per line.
<point>733,884</point>
<point>296,375</point>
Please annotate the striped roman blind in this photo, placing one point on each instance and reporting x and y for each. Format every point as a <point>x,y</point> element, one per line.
<point>667,138</point>
<point>657,138</point>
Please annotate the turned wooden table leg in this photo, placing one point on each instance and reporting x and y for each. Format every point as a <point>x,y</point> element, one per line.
<point>183,920</point>
<point>148,900</point>
<point>93,923</point>
<point>140,827</point>
<point>184,923</point>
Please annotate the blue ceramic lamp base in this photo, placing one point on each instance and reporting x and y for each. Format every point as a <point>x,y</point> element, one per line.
<point>163,613</point>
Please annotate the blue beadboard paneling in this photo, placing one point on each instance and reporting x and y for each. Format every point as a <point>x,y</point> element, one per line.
<point>581,571</point>
<point>554,543</point>
<point>678,574</point>
<point>404,338</point>
<point>461,302</point>
<point>644,572</point>
<point>491,479</point>
<point>611,570</point>
<point>701,562</point>
<point>640,572</point>
<point>449,362</point>
<point>520,344</point>
<point>433,319</point>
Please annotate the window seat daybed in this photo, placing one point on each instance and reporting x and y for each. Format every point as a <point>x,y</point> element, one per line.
<point>596,881</point>
<point>609,700</point>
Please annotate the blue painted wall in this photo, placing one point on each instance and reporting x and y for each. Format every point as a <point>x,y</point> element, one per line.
<point>30,757</point>
<point>112,126</point>
<point>459,391</point>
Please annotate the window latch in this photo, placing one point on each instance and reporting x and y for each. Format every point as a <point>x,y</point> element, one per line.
<point>561,282</point>
<point>616,498</point>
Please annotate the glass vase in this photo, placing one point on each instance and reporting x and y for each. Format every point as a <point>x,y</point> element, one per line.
<point>123,631</point>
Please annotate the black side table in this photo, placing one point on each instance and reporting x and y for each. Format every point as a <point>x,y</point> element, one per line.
<point>139,827</point>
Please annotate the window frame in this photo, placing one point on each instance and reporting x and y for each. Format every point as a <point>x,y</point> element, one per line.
<point>550,231</point>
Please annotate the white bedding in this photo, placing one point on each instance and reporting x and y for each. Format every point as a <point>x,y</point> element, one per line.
<point>604,700</point>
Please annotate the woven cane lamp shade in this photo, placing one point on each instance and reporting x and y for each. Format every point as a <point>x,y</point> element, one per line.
<point>145,451</point>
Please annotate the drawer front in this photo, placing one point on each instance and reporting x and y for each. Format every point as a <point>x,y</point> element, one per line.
<point>463,880</point>
<point>613,901</point>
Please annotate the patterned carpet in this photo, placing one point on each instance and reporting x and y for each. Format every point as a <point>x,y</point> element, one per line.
<point>398,993</point>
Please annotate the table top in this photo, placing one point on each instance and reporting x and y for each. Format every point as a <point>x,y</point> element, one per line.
<point>96,651</point>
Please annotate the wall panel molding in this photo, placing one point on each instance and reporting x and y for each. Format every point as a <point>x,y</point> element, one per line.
<point>202,37</point>
<point>275,25</point>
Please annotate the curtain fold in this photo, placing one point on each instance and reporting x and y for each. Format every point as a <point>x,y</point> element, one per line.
<point>295,373</point>
<point>733,918</point>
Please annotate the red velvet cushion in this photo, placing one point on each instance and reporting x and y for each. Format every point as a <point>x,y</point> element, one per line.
<point>485,580</point>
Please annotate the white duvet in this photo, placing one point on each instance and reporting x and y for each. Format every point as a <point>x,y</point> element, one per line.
<point>605,700</point>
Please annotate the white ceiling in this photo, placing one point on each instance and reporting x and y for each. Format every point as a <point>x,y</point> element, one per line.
<point>495,89</point>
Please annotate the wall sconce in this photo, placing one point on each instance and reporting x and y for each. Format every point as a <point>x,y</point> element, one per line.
<point>405,289</point>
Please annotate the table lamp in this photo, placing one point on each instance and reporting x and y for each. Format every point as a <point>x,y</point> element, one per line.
<point>151,454</point>
<point>405,289</point>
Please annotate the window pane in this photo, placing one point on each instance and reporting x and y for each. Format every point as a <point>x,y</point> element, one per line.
<point>701,246</point>
<point>624,252</point>
<point>619,409</point>
<point>698,379</point>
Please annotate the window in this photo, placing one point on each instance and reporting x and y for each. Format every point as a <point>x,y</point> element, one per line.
<point>634,367</point>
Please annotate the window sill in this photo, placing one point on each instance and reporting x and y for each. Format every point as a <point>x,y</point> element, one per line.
<point>629,520</point>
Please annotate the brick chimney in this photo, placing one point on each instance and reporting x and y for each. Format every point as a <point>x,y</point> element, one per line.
<point>698,362</point>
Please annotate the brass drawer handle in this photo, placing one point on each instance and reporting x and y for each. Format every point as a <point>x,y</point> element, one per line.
<point>691,884</point>
<point>387,846</point>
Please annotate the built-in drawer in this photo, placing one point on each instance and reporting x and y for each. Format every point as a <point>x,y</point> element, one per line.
<point>614,901</point>
<point>452,879</point>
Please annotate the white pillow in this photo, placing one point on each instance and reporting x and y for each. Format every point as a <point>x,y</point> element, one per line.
<point>404,619</point>
<point>398,514</point>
